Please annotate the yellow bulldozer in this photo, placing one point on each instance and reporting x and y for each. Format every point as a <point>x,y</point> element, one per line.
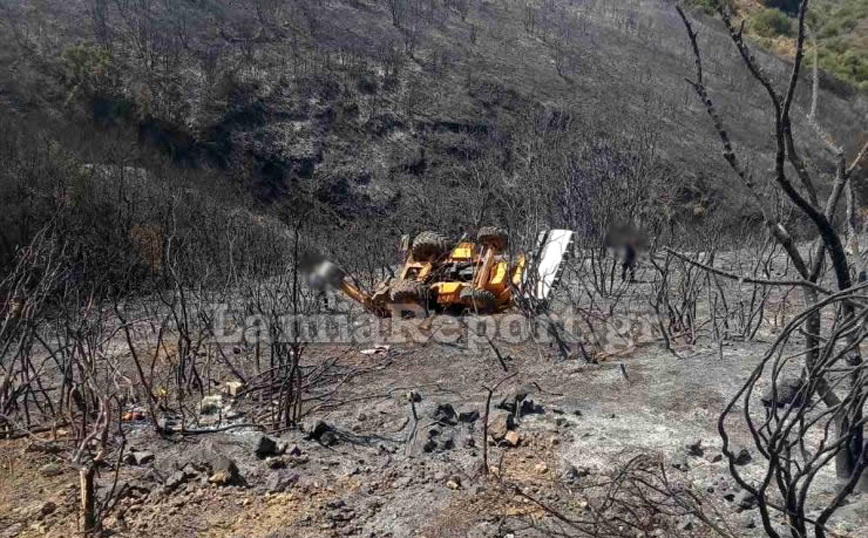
<point>441,276</point>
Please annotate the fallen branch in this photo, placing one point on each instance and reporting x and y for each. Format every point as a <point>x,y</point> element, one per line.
<point>749,280</point>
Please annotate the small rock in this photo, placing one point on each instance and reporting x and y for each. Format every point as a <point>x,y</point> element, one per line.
<point>361,417</point>
<point>211,404</point>
<point>741,455</point>
<point>573,474</point>
<point>233,388</point>
<point>468,415</point>
<point>529,407</point>
<point>413,396</point>
<point>51,469</point>
<point>143,457</point>
<point>314,430</point>
<point>294,451</point>
<point>786,391</point>
<point>280,481</point>
<point>694,448</point>
<point>746,521</point>
<point>328,438</point>
<point>47,508</point>
<point>686,523</point>
<point>500,424</point>
<point>220,478</point>
<point>444,414</point>
<point>541,468</point>
<point>265,446</point>
<point>512,438</point>
<point>453,482</point>
<point>175,479</point>
<point>680,463</point>
<point>275,463</point>
<point>223,471</point>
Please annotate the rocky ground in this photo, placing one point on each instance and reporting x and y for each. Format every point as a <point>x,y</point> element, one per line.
<point>397,451</point>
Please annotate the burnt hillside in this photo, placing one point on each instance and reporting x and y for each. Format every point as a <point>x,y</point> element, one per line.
<point>424,109</point>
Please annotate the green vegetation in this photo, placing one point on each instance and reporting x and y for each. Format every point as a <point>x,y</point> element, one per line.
<point>842,38</point>
<point>840,28</point>
<point>770,23</point>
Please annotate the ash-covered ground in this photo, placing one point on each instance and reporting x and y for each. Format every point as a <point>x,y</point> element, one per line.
<point>394,446</point>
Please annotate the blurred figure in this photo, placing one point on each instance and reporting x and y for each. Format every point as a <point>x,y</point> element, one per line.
<point>627,239</point>
<point>629,263</point>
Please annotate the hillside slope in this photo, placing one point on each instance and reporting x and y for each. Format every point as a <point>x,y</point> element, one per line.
<point>406,114</point>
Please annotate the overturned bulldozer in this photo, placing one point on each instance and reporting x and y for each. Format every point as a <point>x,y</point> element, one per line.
<point>441,276</point>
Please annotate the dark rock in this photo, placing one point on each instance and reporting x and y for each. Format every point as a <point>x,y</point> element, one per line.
<point>447,443</point>
<point>468,415</point>
<point>741,455</point>
<point>329,438</point>
<point>444,413</point>
<point>529,407</point>
<point>511,402</point>
<point>694,448</point>
<point>223,471</point>
<point>430,445</point>
<point>315,430</point>
<point>507,405</point>
<point>574,474</point>
<point>47,508</point>
<point>414,397</point>
<point>785,392</point>
<point>265,446</point>
<point>294,451</point>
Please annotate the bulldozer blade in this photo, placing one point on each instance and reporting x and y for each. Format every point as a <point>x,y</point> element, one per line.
<point>546,266</point>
